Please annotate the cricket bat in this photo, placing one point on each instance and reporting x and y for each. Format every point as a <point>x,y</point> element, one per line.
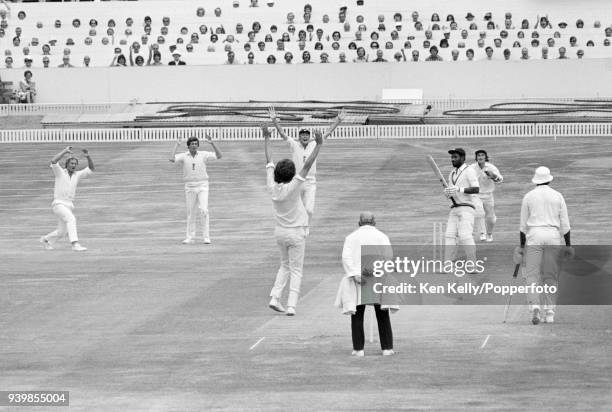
<point>514,275</point>
<point>438,174</point>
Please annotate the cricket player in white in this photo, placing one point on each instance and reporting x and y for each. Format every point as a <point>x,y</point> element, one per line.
<point>488,176</point>
<point>196,184</point>
<point>300,151</point>
<point>66,181</point>
<point>462,187</point>
<point>284,186</point>
<point>544,219</point>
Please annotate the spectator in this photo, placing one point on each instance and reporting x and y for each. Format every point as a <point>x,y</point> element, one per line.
<point>433,55</point>
<point>508,24</point>
<point>543,23</point>
<point>218,12</point>
<point>290,18</point>
<point>489,52</point>
<point>435,17</point>
<point>473,26</point>
<point>280,45</point>
<point>231,57</point>
<point>318,46</point>
<point>544,53</point>
<point>324,57</point>
<point>254,3</point>
<point>418,26</point>
<point>379,57</point>
<point>579,24</point>
<point>525,53</point>
<point>399,55</point>
<point>342,15</point>
<point>455,54</point>
<point>573,41</point>
<point>469,53</point>
<point>66,62</point>
<point>239,28</point>
<point>415,16</point>
<point>562,52</point>
<point>86,61</point>
<point>443,44</point>
<point>608,31</point>
<point>497,42</point>
<point>580,53</point>
<point>8,62</point>
<point>46,61</point>
<point>415,55</point>
<point>453,25</point>
<point>307,16</point>
<point>525,24</point>
<point>361,56</point>
<point>469,17</point>
<point>464,34</point>
<point>250,58</point>
<point>535,43</point>
<point>506,54</point>
<point>325,18</point>
<point>27,62</point>
<point>288,58</point>
<point>118,60</point>
<point>520,34</point>
<point>256,27</point>
<point>516,44</point>
<point>606,42</point>
<point>480,43</point>
<point>503,34</point>
<point>27,88</point>
<point>271,59</point>
<point>177,60</point>
<point>199,12</point>
<point>590,43</point>
<point>306,57</point>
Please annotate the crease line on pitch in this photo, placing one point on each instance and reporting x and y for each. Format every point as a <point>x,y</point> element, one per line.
<point>485,342</point>
<point>257,343</point>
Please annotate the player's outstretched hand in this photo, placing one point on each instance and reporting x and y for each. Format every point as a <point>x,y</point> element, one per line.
<point>318,137</point>
<point>208,138</point>
<point>68,149</point>
<point>272,113</point>
<point>85,152</point>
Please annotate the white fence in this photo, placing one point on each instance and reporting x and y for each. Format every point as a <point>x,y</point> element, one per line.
<point>61,108</point>
<point>343,132</point>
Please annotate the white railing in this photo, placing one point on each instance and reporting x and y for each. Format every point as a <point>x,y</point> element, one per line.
<point>343,132</point>
<point>59,108</point>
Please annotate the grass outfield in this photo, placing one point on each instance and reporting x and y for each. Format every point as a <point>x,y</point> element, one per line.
<point>141,322</point>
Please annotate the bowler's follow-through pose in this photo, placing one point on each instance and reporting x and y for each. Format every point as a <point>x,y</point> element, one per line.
<point>196,184</point>
<point>66,181</point>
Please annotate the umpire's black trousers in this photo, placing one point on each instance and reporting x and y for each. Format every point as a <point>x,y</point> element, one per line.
<point>384,328</point>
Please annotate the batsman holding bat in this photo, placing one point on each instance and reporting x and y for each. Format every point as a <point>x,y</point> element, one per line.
<point>462,187</point>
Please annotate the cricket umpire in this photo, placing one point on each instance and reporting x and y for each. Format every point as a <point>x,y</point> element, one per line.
<point>544,219</point>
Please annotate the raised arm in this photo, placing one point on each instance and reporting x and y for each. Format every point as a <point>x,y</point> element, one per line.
<point>90,163</point>
<point>313,156</point>
<point>150,55</point>
<point>215,148</point>
<point>403,54</point>
<point>266,134</point>
<point>274,119</point>
<point>341,116</point>
<point>173,154</point>
<point>57,157</point>
<point>114,60</point>
<point>131,56</point>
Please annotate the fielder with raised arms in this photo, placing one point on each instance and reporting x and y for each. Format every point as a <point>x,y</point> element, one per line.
<point>66,181</point>
<point>488,175</point>
<point>300,151</point>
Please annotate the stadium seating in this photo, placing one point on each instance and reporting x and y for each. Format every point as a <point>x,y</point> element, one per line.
<point>82,31</point>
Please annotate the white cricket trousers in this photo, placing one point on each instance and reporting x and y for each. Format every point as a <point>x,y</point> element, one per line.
<point>292,242</point>
<point>486,222</point>
<point>196,199</point>
<point>66,223</point>
<point>542,264</point>
<point>459,230</point>
<point>309,191</point>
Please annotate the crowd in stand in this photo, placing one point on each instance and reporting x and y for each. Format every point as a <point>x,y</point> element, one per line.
<point>342,37</point>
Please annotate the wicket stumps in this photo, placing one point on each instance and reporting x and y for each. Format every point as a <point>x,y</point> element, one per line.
<point>438,239</point>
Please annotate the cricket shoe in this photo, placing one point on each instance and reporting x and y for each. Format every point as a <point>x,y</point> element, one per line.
<point>188,241</point>
<point>45,243</point>
<point>207,241</point>
<point>275,305</point>
<point>358,353</point>
<point>388,352</point>
<point>483,237</point>
<point>549,317</point>
<point>489,238</point>
<point>536,316</point>
<point>78,248</point>
<point>290,311</point>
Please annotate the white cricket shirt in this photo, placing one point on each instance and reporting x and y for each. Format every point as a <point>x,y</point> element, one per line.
<point>194,167</point>
<point>487,185</point>
<point>300,154</point>
<point>65,185</point>
<point>464,177</point>
<point>544,207</point>
<point>289,211</point>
